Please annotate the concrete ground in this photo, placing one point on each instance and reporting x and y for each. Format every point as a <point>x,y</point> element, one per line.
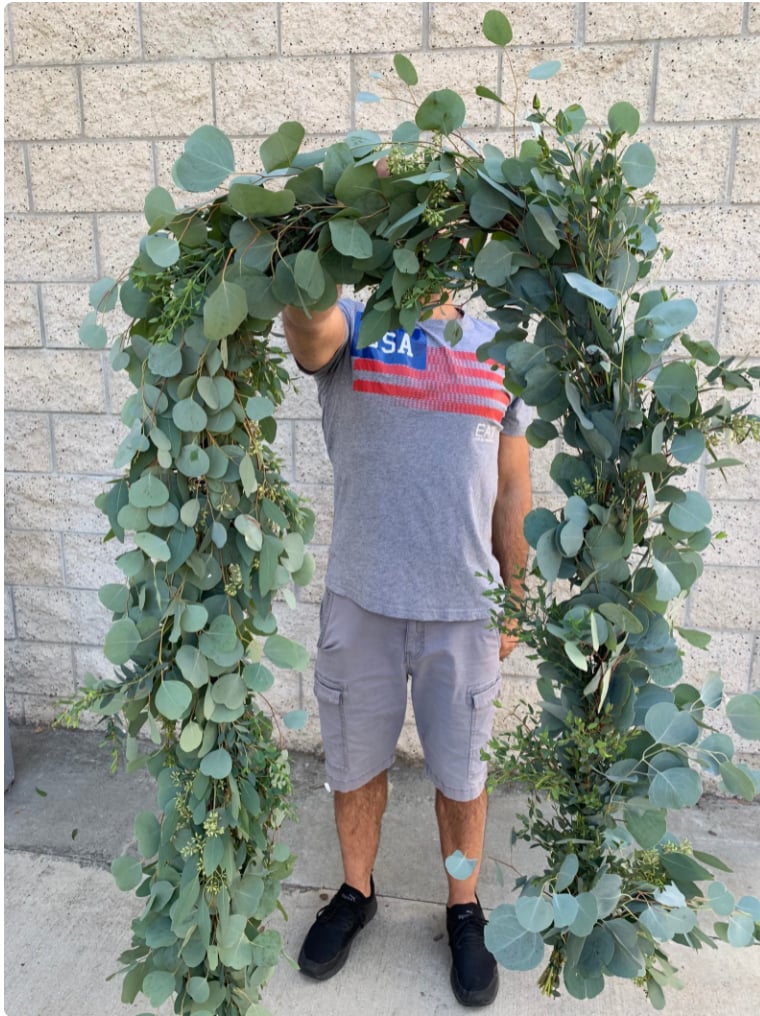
<point>66,922</point>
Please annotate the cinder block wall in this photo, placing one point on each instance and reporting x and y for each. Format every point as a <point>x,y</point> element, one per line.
<point>98,100</point>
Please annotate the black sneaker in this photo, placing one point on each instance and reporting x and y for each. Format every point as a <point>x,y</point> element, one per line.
<point>474,976</point>
<point>327,944</point>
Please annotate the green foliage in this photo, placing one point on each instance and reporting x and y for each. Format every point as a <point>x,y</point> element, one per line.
<point>558,243</point>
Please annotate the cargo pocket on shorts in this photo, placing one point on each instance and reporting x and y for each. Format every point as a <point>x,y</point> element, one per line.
<point>332,723</point>
<point>482,709</point>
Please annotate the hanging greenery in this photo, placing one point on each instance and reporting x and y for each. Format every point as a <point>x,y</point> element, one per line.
<point>558,237</point>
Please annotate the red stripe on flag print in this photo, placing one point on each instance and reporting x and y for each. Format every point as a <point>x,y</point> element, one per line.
<point>442,402</point>
<point>494,377</point>
<point>452,382</point>
<point>361,365</point>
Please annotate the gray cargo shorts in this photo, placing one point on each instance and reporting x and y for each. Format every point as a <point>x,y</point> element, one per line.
<point>364,662</point>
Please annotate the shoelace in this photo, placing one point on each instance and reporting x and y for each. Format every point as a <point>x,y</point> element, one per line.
<point>468,931</point>
<point>342,912</point>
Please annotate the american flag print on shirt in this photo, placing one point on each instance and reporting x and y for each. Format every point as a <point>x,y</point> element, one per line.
<point>425,376</point>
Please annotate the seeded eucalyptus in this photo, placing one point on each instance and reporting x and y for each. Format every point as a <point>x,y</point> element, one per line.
<point>558,237</point>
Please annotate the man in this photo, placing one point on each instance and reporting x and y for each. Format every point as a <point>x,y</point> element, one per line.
<point>432,484</point>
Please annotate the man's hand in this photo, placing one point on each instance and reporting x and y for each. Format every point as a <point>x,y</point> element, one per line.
<point>507,644</point>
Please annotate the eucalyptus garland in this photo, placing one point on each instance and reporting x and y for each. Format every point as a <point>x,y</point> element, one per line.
<point>558,238</point>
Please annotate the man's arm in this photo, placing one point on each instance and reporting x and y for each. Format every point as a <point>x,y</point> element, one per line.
<point>315,338</point>
<point>513,501</point>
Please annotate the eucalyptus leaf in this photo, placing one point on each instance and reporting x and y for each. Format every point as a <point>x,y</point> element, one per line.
<point>153,546</point>
<point>173,699</point>
<point>494,263</point>
<point>103,295</point>
<point>115,597</point>
<point>254,201</point>
<point>690,515</point>
<point>700,639</point>
<point>665,319</point>
<point>459,866</point>
<point>163,250</point>
<point>488,93</point>
<point>488,207</point>
<point>627,959</point>
<point>675,788</point>
<point>198,989</point>
<point>250,529</point>
<point>217,764</point>
<point>207,161</point>
<point>159,208</point>
<point>623,118</point>
<point>496,28</point>
<point>148,492</point>
<point>257,677</point>
<point>127,872</point>
<point>544,71</point>
<point>192,665</point>
<point>121,641</point>
<point>548,556</point>
<point>91,333</point>
<point>586,917</point>
<point>607,890</point>
<point>191,737</point>
<point>280,149</point>
<point>534,913</point>
<point>592,290</point>
<point>713,750</point>
<point>188,415</point>
<point>669,725</point>
<point>349,237</point>
<point>309,276</point>
<point>158,985</point>
<point>224,311</point>
<point>259,407</point>
<point>405,69</point>
<point>510,943</point>
<point>688,446</point>
<point>193,461</point>
<point>442,110</point>
<point>283,652</point>
<point>676,388</point>
<point>220,638</point>
<point>750,905</point>
<point>229,690</point>
<point>741,930</point>
<point>564,909</point>
<point>638,165</point>
<point>567,872</point>
<point>743,712</point>
<point>147,833</point>
<point>295,719</point>
<point>720,899</point>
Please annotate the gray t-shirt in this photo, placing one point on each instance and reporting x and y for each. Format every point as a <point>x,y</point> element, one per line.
<point>412,429</point>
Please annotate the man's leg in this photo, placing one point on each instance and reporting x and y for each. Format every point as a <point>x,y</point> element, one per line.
<point>358,817</point>
<point>474,977</point>
<point>455,680</point>
<point>462,826</point>
<point>361,686</point>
